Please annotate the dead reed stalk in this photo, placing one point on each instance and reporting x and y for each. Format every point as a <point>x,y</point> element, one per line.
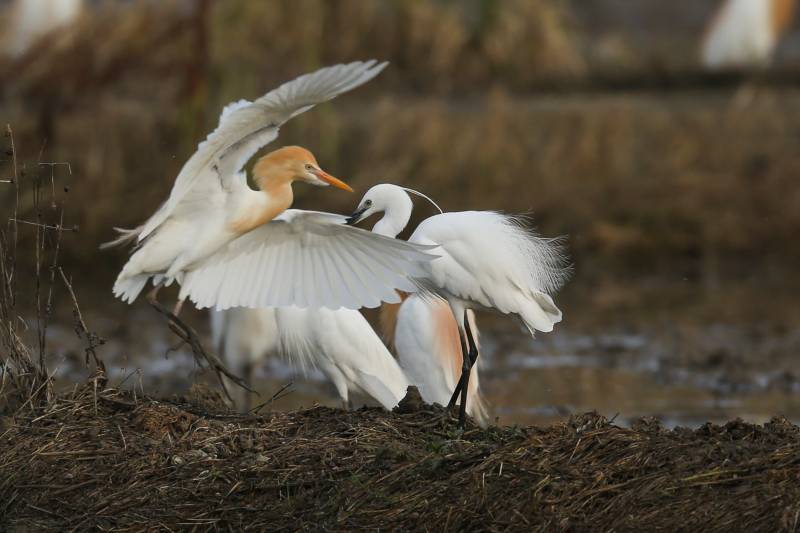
<point>25,383</point>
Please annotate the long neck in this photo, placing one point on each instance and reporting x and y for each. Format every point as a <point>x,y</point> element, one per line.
<point>395,218</point>
<point>274,197</point>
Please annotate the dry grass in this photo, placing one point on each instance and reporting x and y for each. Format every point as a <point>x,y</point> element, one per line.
<point>103,458</point>
<point>638,180</point>
<point>24,381</point>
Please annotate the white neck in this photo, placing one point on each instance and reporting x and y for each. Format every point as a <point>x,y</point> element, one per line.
<point>396,216</point>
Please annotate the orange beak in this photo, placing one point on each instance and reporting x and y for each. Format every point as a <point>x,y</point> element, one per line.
<point>327,178</point>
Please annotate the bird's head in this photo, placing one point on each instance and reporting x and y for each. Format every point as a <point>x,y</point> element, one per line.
<point>294,163</point>
<point>384,197</point>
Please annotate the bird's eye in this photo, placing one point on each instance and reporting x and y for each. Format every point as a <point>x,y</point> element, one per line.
<point>309,167</point>
<point>368,203</point>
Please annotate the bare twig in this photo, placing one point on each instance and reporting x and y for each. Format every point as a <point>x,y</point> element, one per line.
<point>26,382</point>
<point>188,335</point>
<point>93,340</point>
<point>44,226</point>
<point>277,396</point>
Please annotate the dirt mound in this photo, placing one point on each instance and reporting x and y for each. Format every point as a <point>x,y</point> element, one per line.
<point>110,460</point>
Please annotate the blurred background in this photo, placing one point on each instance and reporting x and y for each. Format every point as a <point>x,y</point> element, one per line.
<point>669,156</point>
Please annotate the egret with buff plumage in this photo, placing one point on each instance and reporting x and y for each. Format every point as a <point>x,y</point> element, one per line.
<point>228,245</point>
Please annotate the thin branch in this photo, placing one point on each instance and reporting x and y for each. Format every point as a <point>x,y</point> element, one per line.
<point>93,340</point>
<point>188,335</point>
<point>274,397</point>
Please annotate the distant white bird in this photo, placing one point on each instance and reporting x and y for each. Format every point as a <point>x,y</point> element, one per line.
<point>745,33</point>
<point>486,260</point>
<point>228,245</point>
<point>31,20</point>
<point>340,343</point>
<point>426,339</point>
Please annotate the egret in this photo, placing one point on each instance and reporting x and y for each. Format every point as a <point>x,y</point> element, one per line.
<point>426,340</point>
<point>32,20</point>
<point>228,245</point>
<point>745,33</point>
<point>486,260</point>
<point>341,343</point>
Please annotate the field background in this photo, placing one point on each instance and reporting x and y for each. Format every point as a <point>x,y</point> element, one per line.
<point>678,190</point>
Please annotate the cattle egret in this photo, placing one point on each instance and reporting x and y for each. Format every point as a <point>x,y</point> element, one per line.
<point>745,33</point>
<point>487,260</point>
<point>228,245</point>
<point>426,340</point>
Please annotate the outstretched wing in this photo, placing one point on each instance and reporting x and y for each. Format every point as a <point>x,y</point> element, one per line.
<point>244,127</point>
<point>307,259</point>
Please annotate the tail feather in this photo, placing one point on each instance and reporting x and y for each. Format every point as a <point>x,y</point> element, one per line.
<point>540,313</point>
<point>379,389</point>
<point>477,406</point>
<point>125,236</point>
<point>129,288</point>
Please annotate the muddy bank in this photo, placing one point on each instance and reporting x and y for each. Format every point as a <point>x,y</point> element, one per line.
<point>108,459</point>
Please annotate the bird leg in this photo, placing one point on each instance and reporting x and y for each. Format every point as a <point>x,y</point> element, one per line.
<point>178,306</point>
<point>462,411</point>
<point>464,357</point>
<point>473,346</point>
<point>469,351</point>
<point>152,296</point>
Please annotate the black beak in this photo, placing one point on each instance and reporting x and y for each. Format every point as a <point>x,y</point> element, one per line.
<point>355,217</point>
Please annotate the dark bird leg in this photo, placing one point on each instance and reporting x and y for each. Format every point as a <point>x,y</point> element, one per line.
<point>473,347</point>
<point>464,357</point>
<point>469,354</point>
<point>152,296</point>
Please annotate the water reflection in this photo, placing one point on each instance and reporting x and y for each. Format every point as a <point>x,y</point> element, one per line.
<point>688,373</point>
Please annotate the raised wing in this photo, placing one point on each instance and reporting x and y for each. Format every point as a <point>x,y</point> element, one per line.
<point>307,259</point>
<point>496,261</point>
<point>245,127</point>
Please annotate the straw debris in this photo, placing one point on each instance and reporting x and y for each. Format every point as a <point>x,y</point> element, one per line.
<point>103,458</point>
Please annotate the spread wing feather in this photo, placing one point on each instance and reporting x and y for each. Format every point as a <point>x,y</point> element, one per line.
<point>245,127</point>
<point>307,259</point>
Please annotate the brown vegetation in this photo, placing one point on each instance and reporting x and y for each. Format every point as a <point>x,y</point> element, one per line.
<point>693,179</point>
<point>102,458</point>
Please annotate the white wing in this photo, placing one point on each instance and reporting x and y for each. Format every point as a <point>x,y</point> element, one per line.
<point>307,259</point>
<point>245,127</point>
<point>740,35</point>
<point>492,260</point>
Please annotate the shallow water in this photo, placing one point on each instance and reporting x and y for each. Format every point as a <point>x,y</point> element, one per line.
<point>683,372</point>
<point>627,376</point>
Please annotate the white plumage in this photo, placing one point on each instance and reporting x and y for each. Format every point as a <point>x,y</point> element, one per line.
<point>489,260</point>
<point>33,19</point>
<point>213,233</point>
<point>340,343</point>
<point>245,127</point>
<point>485,260</point>
<point>426,340</point>
<point>307,259</point>
<point>745,33</point>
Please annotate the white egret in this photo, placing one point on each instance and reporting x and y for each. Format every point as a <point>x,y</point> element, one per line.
<point>228,245</point>
<point>341,343</point>
<point>487,260</point>
<point>426,340</point>
<point>31,20</point>
<point>745,33</point>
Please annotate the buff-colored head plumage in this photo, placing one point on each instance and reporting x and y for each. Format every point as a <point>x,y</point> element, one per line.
<point>292,163</point>
<point>289,159</point>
